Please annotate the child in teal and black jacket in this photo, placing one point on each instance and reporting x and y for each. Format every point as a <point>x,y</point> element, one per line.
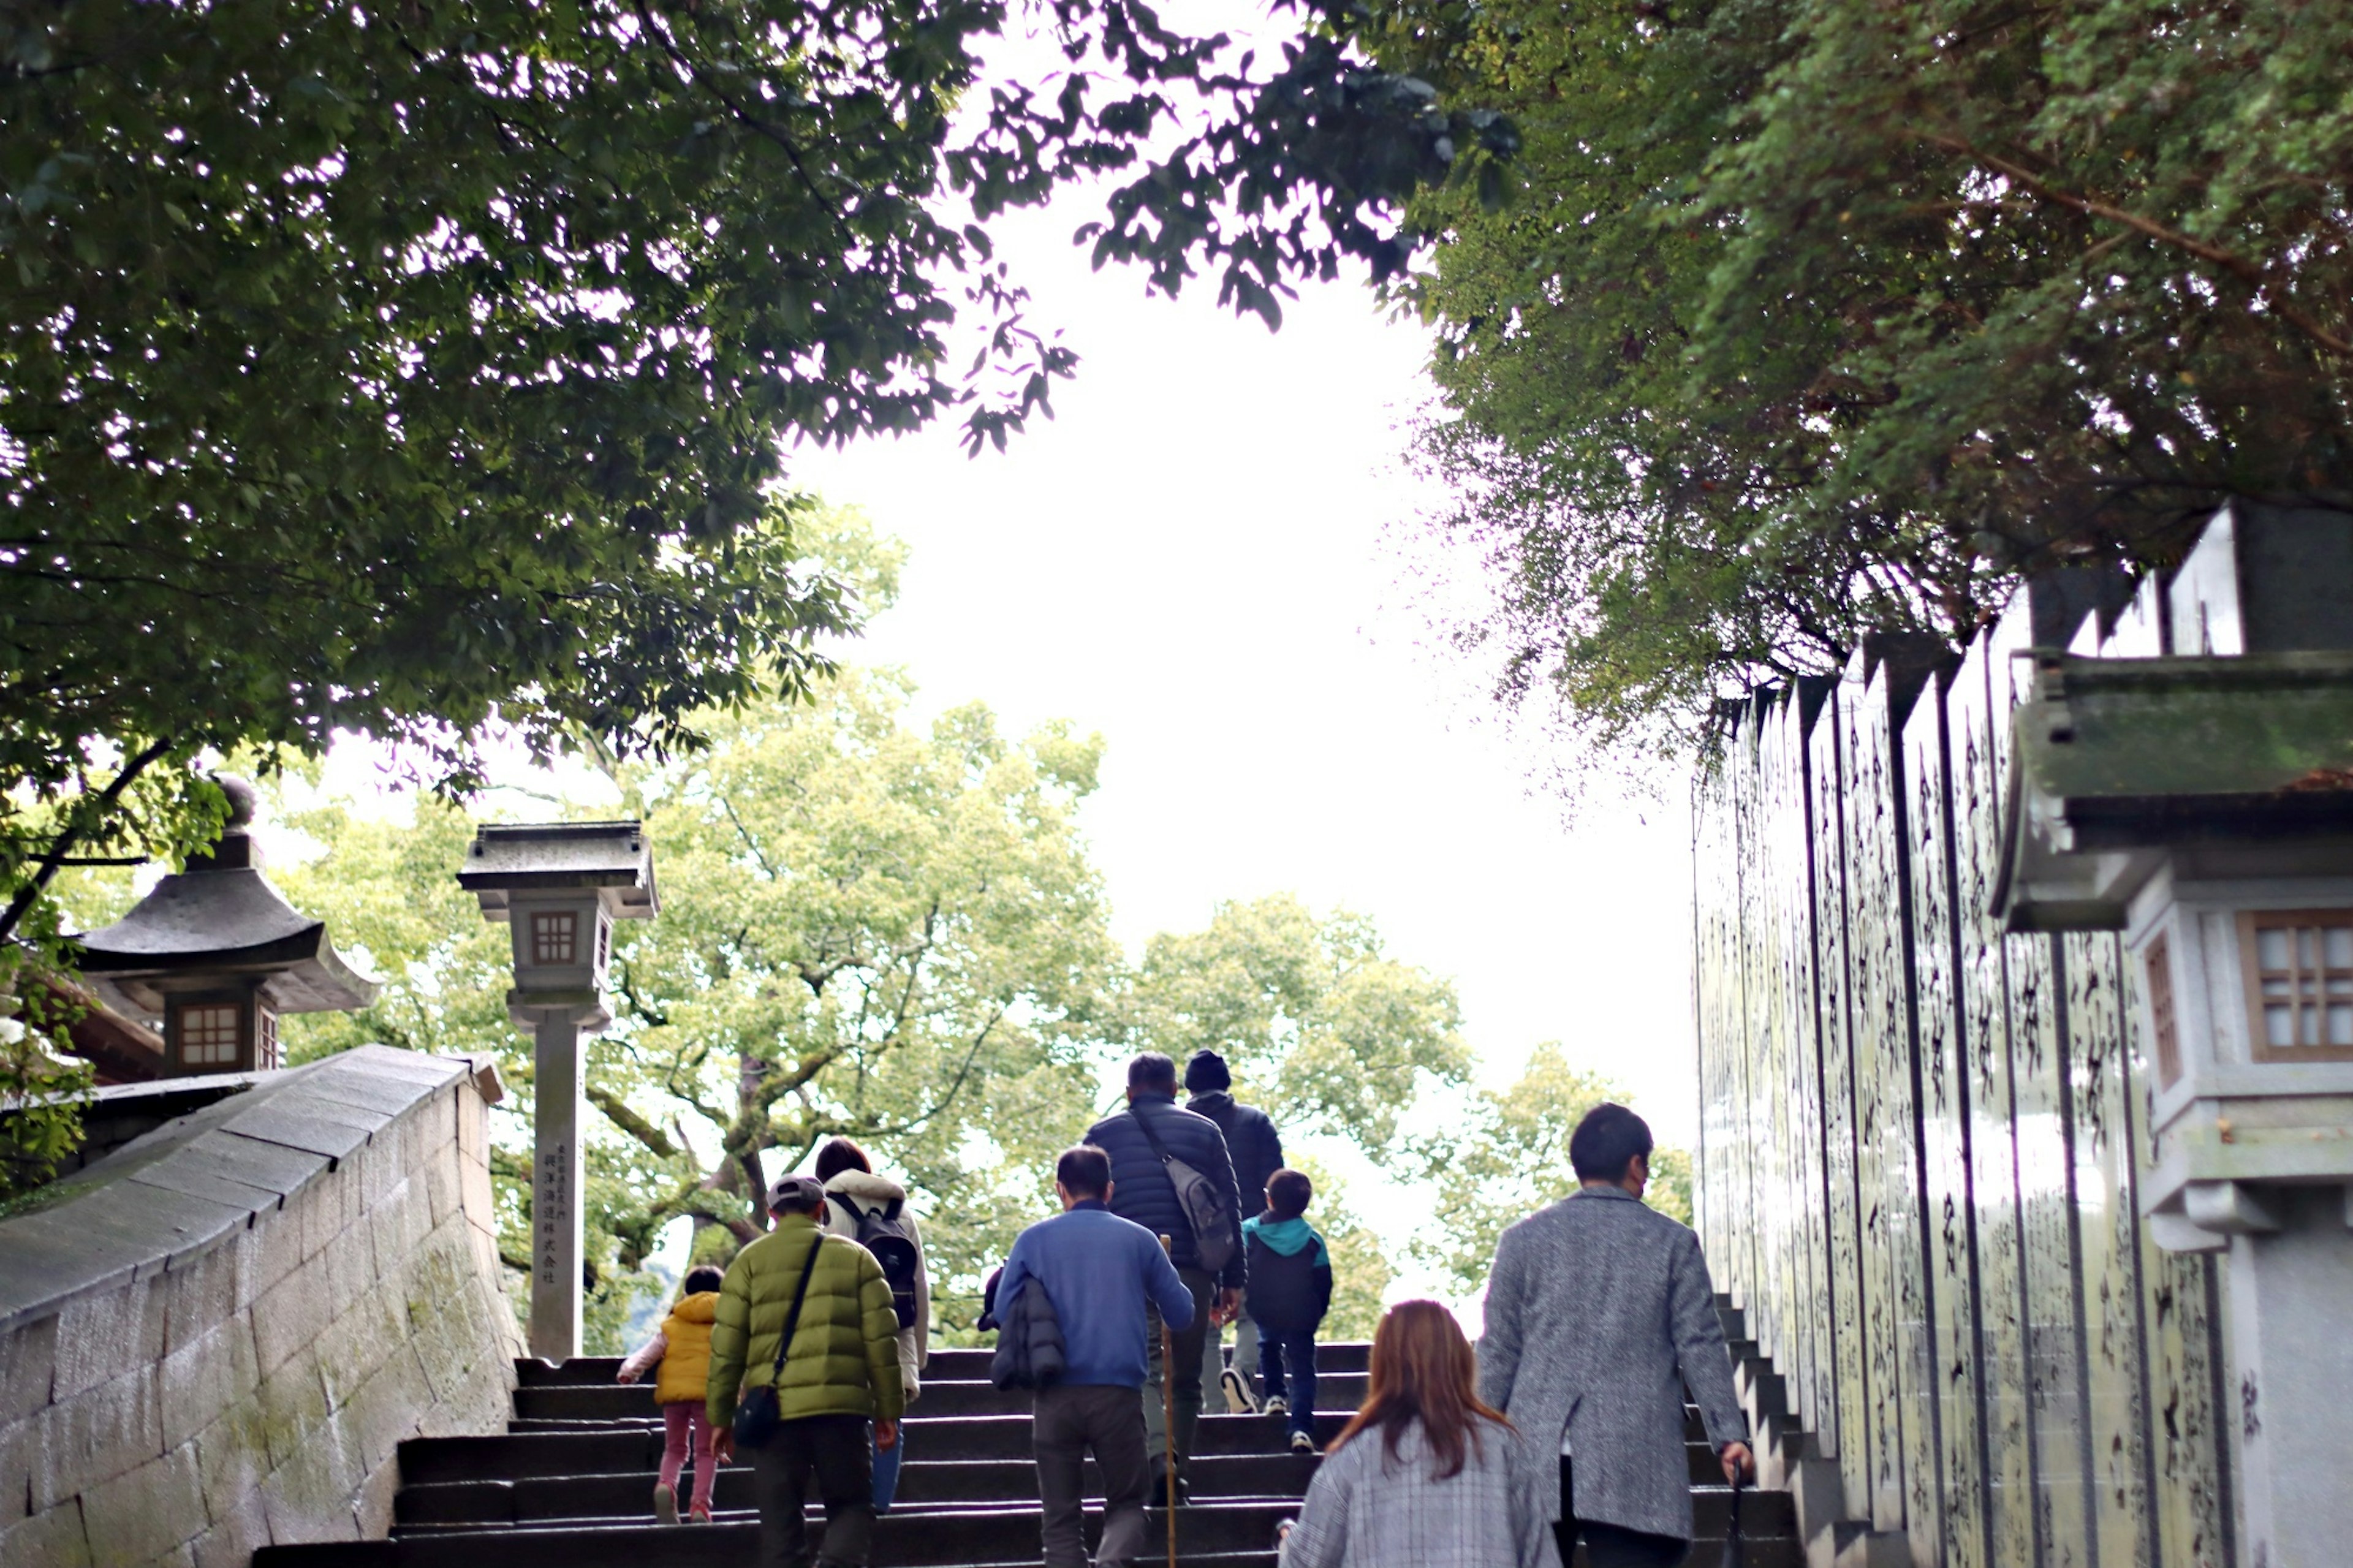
<point>1290,1291</point>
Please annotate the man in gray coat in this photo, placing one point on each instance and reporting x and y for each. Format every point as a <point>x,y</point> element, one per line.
<point>1599,1314</point>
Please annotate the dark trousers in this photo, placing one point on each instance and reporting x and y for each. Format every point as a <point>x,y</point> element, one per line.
<point>834,1448</point>
<point>1066,1422</point>
<point>1276,1346</point>
<point>1204,1286</point>
<point>1611,1545</point>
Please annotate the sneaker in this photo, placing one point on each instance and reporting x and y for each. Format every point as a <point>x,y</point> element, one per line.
<point>1300,1443</point>
<point>699,1516</point>
<point>665,1504</point>
<point>1238,1398</point>
<point>1274,1406</point>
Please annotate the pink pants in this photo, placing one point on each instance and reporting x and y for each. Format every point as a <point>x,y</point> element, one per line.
<point>682,1423</point>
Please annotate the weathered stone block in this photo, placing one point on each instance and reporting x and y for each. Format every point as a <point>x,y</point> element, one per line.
<point>279,1251</point>
<point>236,1528</point>
<point>350,1263</point>
<point>293,1405</point>
<point>200,1381</point>
<point>28,1360</point>
<point>308,1495</point>
<point>437,1121</point>
<point>233,1459</point>
<point>397,1224</point>
<point>51,1539</point>
<point>292,1315</point>
<point>96,1436</point>
<point>372,1506</point>
<point>139,1516</point>
<point>385,1411</point>
<point>102,1336</point>
<point>444,1190</point>
<point>326,1210</point>
<point>200,1294</point>
<point>356,1343</point>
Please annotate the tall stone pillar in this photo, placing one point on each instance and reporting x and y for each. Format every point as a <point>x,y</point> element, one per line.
<point>555,1173</point>
<point>558,886</point>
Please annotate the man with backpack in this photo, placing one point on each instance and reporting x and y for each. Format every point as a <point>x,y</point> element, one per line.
<point>1171,1174</point>
<point>1257,1151</point>
<point>805,1339</point>
<point>872,1211</point>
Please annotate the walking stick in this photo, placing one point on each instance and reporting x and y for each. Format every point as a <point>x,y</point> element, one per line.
<point>1168,1414</point>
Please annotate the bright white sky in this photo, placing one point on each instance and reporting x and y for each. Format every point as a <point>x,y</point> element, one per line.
<point>1204,556</point>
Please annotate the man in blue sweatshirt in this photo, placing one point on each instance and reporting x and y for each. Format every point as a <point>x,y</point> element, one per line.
<point>1098,1270</point>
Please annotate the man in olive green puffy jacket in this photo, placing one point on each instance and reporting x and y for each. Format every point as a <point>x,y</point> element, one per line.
<point>842,1372</point>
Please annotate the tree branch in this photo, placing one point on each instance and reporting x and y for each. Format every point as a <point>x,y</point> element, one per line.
<point>630,1122</point>
<point>68,837</point>
<point>2248,272</point>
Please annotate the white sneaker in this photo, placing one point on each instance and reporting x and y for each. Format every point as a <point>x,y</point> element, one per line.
<point>665,1504</point>
<point>1239,1401</point>
<point>1274,1406</point>
<point>1300,1443</point>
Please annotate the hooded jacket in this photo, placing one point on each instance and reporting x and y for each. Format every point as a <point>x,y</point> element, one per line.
<point>872,1191</point>
<point>1142,1191</point>
<point>1255,1147</point>
<point>1290,1274</point>
<point>845,1349</point>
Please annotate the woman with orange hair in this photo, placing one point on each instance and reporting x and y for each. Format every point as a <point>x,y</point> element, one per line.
<point>1426,1476</point>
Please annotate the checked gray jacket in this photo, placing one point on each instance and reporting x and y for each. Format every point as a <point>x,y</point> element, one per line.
<point>1598,1314</point>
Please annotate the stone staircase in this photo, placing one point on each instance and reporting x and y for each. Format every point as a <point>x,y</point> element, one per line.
<point>570,1484</point>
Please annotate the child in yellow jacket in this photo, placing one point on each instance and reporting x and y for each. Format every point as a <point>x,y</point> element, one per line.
<point>682,1347</point>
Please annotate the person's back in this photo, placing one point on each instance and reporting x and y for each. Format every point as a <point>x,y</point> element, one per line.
<point>1598,1315</point>
<point>839,1368</point>
<point>1255,1148</point>
<point>1143,1191</point>
<point>1425,1477</point>
<point>1289,1292</point>
<point>1097,1272</point>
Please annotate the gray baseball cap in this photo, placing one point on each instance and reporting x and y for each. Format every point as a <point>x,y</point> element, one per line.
<point>799,1192</point>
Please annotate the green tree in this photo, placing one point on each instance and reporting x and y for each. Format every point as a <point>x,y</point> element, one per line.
<point>1507,1156</point>
<point>866,930</point>
<point>398,368</point>
<point>1821,317</point>
<point>1321,1027</point>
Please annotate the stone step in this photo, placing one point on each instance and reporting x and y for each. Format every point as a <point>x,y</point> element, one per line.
<point>620,1401</point>
<point>933,1486</point>
<point>1225,1533</point>
<point>922,1484</point>
<point>605,1450</point>
<point>946,1364</point>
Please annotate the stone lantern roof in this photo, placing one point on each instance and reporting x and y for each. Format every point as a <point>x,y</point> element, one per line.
<point>221,920</point>
<point>2117,756</point>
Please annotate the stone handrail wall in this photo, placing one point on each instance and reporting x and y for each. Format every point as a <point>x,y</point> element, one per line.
<point>1920,1138</point>
<point>214,1339</point>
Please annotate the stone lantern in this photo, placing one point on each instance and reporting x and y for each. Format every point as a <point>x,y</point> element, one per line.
<point>216,953</point>
<point>2188,780</point>
<point>559,887</point>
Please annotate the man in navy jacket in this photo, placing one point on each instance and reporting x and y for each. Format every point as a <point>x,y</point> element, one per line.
<point>1103,1275</point>
<point>1143,1192</point>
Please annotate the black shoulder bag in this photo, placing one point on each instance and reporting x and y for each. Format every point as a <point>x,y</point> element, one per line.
<point>759,1414</point>
<point>1208,1211</point>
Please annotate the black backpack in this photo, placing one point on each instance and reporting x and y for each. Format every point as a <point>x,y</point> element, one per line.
<point>882,1233</point>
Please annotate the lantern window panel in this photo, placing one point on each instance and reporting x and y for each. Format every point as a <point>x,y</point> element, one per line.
<point>554,936</point>
<point>208,1033</point>
<point>2299,979</point>
<point>265,1036</point>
